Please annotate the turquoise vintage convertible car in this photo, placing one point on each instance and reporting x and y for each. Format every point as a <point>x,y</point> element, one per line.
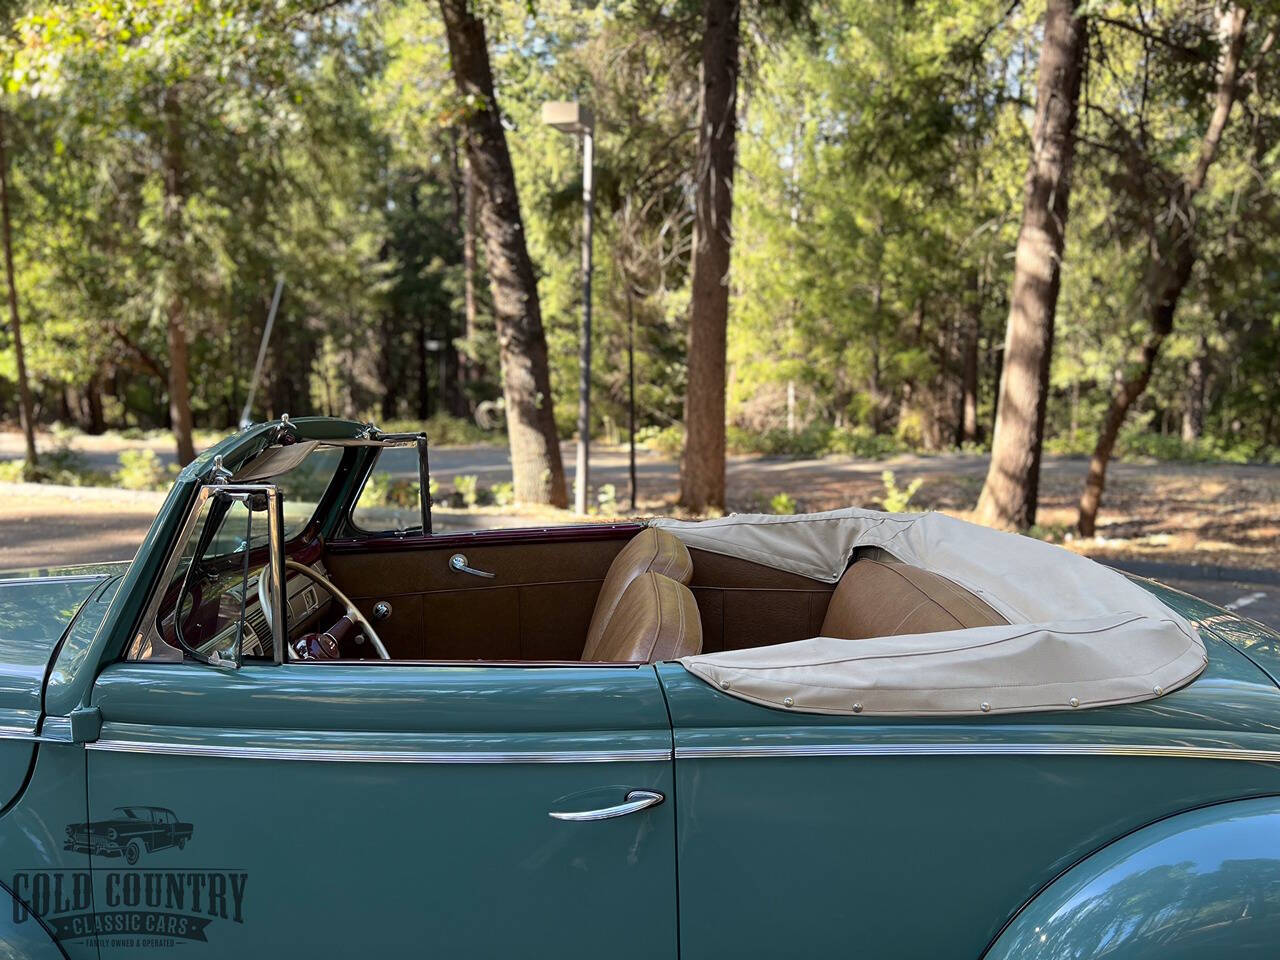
<point>849,734</point>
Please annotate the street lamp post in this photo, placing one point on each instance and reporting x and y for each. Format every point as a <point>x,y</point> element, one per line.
<point>574,118</point>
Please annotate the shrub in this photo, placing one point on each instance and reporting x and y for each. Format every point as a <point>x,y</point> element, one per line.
<point>1138,441</point>
<point>896,499</point>
<point>815,440</point>
<point>384,490</point>
<point>1170,447</point>
<point>60,465</point>
<point>607,497</point>
<point>467,488</point>
<point>504,493</point>
<point>665,441</point>
<point>809,442</point>
<point>864,443</point>
<point>142,470</point>
<point>444,430</point>
<point>783,503</point>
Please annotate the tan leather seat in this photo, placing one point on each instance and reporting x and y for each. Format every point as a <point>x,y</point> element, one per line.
<point>879,599</point>
<point>650,551</point>
<point>656,619</point>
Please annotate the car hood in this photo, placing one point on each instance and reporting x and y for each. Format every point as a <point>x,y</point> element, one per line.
<point>36,610</point>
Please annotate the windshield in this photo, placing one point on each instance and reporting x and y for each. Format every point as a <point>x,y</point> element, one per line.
<point>302,487</point>
<point>213,603</point>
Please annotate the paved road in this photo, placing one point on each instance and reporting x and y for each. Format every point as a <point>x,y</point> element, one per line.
<point>1260,602</point>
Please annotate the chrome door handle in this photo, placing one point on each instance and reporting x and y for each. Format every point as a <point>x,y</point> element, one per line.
<point>635,801</point>
<point>458,563</point>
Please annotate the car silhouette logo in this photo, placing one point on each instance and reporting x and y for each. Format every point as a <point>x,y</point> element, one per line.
<point>130,833</point>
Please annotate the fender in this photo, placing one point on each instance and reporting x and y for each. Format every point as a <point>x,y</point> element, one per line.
<point>30,939</point>
<point>1205,883</point>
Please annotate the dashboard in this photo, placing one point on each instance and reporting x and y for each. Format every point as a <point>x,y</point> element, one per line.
<point>211,612</point>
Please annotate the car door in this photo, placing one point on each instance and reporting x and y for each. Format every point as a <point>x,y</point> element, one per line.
<point>330,808</point>
<point>807,835</point>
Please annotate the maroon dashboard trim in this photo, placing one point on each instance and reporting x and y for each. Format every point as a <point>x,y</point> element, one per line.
<point>577,533</point>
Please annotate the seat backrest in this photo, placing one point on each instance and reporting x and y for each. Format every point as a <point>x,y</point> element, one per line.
<point>650,551</point>
<point>879,599</point>
<point>656,619</point>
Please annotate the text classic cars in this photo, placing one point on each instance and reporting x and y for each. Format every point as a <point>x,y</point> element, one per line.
<point>889,735</point>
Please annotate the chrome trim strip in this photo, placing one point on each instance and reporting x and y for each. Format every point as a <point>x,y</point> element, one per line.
<point>379,756</point>
<point>17,733</point>
<point>976,749</point>
<point>9,581</point>
<point>56,730</point>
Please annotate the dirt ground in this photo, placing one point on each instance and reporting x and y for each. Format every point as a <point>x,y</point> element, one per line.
<point>41,530</point>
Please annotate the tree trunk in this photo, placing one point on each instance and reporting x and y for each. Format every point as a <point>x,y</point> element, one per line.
<point>969,365</point>
<point>15,323</point>
<point>176,333</point>
<point>471,371</point>
<point>536,467</point>
<point>389,367</point>
<point>422,370</point>
<point>95,420</point>
<point>1012,487</point>
<point>1173,256</point>
<point>1197,383</point>
<point>464,369</point>
<point>702,466</point>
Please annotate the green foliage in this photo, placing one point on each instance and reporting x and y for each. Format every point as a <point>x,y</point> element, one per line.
<point>815,440</point>
<point>142,470</point>
<point>665,441</point>
<point>607,498</point>
<point>384,490</point>
<point>1140,444</point>
<point>467,489</point>
<point>897,499</point>
<point>881,167</point>
<point>783,503</point>
<point>444,430</point>
<point>504,493</point>
<point>60,465</point>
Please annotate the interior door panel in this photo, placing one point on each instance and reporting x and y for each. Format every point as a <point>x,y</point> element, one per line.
<point>537,606</point>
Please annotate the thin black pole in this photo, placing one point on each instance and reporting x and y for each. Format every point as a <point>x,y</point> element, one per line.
<point>631,388</point>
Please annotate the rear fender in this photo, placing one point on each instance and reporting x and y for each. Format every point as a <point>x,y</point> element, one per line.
<point>1200,884</point>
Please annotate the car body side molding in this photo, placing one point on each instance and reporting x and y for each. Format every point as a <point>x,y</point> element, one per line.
<point>1205,883</point>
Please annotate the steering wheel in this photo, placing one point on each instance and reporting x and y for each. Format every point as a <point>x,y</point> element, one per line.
<point>356,616</point>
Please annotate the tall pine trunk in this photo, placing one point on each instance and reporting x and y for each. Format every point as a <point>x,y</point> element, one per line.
<point>1173,255</point>
<point>1010,494</point>
<point>968,431</point>
<point>702,464</point>
<point>1197,386</point>
<point>470,366</point>
<point>537,470</point>
<point>25,410</point>
<point>175,310</point>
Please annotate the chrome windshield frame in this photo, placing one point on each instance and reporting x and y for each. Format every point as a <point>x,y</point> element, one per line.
<point>148,635</point>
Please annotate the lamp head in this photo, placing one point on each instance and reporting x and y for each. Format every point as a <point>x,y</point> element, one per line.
<point>568,116</point>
